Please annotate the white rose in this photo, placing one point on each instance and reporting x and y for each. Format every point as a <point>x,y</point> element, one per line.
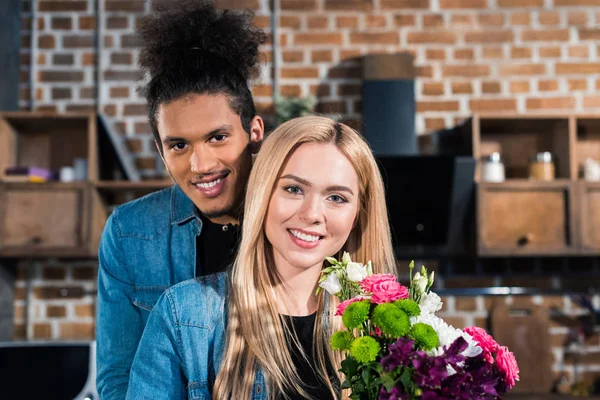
<point>431,302</point>
<point>419,283</point>
<point>331,284</point>
<point>356,272</point>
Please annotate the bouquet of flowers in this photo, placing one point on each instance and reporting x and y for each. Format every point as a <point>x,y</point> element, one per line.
<point>395,346</point>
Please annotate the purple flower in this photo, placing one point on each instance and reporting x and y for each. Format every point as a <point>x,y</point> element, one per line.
<point>400,354</point>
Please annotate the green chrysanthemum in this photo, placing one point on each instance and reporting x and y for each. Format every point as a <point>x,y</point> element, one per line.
<point>355,314</point>
<point>391,320</point>
<point>410,307</point>
<point>425,336</point>
<point>342,340</point>
<point>365,349</point>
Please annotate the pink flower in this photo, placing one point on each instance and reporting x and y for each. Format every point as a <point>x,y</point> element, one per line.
<point>389,291</point>
<point>484,340</point>
<point>371,282</point>
<point>507,365</point>
<point>342,306</point>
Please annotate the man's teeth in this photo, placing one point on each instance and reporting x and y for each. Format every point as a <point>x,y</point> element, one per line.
<point>304,236</point>
<point>209,184</point>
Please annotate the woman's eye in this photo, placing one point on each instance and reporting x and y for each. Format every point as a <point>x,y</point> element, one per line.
<point>293,189</point>
<point>337,199</point>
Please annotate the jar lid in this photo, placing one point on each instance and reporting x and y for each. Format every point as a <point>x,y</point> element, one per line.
<point>494,157</point>
<point>543,157</point>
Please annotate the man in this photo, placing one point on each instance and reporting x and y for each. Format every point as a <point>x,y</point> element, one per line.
<point>199,60</point>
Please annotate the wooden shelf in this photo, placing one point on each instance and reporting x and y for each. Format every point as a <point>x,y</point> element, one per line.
<point>129,185</point>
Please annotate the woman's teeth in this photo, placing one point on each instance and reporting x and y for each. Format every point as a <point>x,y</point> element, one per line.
<point>304,236</point>
<point>209,184</point>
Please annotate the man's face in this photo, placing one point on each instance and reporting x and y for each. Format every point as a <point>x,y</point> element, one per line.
<point>208,153</point>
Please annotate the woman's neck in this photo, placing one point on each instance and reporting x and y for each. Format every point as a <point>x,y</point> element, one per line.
<point>299,291</point>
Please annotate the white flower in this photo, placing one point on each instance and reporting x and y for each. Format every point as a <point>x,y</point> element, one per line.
<point>419,283</point>
<point>431,302</point>
<point>331,284</point>
<point>447,334</point>
<point>356,272</point>
<point>346,258</point>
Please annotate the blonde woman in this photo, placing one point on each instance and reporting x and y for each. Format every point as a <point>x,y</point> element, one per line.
<point>259,330</point>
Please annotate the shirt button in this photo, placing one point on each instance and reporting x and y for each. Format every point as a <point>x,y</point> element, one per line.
<point>225,228</point>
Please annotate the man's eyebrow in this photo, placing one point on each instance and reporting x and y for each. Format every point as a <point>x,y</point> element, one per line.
<point>220,129</point>
<point>336,188</point>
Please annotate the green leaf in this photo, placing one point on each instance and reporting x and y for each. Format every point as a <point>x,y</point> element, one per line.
<point>405,379</point>
<point>346,384</point>
<point>350,367</point>
<point>388,382</point>
<point>331,260</point>
<point>327,270</point>
<point>366,376</point>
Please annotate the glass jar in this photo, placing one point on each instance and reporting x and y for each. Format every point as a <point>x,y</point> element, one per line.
<point>542,167</point>
<point>492,168</point>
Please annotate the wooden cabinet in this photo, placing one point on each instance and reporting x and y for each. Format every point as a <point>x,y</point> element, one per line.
<point>524,218</point>
<point>50,219</point>
<point>589,206</point>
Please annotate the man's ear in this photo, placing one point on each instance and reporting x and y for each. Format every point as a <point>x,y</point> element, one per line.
<point>257,133</point>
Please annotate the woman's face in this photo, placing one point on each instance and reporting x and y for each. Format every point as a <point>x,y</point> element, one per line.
<point>313,207</point>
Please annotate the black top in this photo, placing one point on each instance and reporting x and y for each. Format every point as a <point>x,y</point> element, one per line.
<point>312,384</point>
<point>216,247</point>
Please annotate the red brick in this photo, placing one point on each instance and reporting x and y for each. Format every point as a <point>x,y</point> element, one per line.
<point>112,75</point>
<point>19,332</point>
<point>375,21</point>
<point>289,21</point>
<point>56,311</point>
<point>456,322</point>
<point>84,273</point>
<point>579,18</point>
<point>46,42</point>
<point>77,330</point>
<point>290,90</point>
<point>433,20</point>
<point>424,71</point>
<point>87,310</point>
<point>87,23</point>
<point>549,18</point>
<point>292,56</point>
<point>130,41</point>
<point>349,89</point>
<point>453,4</point>
<point>262,90</point>
<point>117,22</point>
<point>489,37</point>
<point>550,52</point>
<point>573,3</point>
<point>57,273</point>
<point>238,4</point>
<point>435,54</point>
<point>88,58</point>
<point>62,23</point>
<point>579,51</point>
<point>433,37</point>
<point>346,22</point>
<point>471,70</point>
<point>579,69</point>
<point>462,20</point>
<point>493,105</point>
<point>491,20</point>
<point>556,35</point>
<point>577,84</point>
<point>298,5</point>
<point>60,76</point>
<point>263,21</point>
<point>519,87</point>
<point>493,52</point>
<point>80,41</point>
<point>402,20</point>
<point>61,5</point>
<point>550,103</point>
<point>134,146</point>
<point>520,52</point>
<point>317,22</point>
<point>332,107</point>
<point>121,58</point>
<point>127,6</point>
<point>321,90</point>
<point>134,109</point>
<point>42,331</point>
<point>520,3</point>
<point>346,55</point>
<point>432,124</point>
<point>433,89</point>
<point>404,4</point>
<point>522,69</point>
<point>547,85</point>
<point>41,59</point>
<point>321,56</point>
<point>464,303</point>
<point>81,108</point>
<point>520,18</point>
<point>591,102</point>
<point>352,72</point>
<point>109,41</point>
<point>301,39</point>
<point>47,108</point>
<point>589,34</point>
<point>87,93</point>
<point>376,38</point>
<point>63,59</point>
<point>150,162</point>
<point>141,128</point>
<point>299,72</point>
<point>462,88</point>
<point>449,105</point>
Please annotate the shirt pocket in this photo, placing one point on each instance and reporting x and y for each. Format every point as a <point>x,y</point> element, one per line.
<point>198,391</point>
<point>145,297</point>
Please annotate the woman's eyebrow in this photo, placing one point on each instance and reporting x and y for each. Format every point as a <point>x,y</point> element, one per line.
<point>335,188</point>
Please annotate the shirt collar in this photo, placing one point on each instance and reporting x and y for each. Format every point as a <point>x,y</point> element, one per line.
<point>182,207</point>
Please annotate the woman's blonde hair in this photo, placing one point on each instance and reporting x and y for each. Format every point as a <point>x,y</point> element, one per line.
<point>256,332</point>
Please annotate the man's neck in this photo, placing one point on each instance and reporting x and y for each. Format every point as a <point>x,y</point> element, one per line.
<point>224,220</point>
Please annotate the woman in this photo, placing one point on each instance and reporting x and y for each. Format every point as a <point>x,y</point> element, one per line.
<point>259,331</point>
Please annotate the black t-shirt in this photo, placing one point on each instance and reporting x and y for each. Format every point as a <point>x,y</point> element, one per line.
<point>312,384</point>
<point>216,247</point>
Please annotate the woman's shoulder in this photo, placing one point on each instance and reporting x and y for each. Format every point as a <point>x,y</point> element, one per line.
<point>198,302</point>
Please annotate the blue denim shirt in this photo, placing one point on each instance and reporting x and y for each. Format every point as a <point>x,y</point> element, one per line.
<point>180,352</point>
<point>147,246</point>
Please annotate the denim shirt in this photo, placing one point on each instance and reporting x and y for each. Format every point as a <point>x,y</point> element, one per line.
<point>180,352</point>
<point>147,246</point>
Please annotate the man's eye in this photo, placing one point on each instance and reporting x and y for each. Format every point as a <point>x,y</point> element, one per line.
<point>218,138</point>
<point>293,189</point>
<point>178,146</point>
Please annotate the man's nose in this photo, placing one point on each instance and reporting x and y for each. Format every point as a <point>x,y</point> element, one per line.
<point>203,160</point>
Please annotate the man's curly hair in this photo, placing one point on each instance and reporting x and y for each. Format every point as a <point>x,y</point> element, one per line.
<point>192,47</point>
